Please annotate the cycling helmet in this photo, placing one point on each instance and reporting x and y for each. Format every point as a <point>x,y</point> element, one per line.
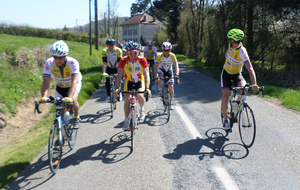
<point>110,41</point>
<point>120,45</point>
<point>132,46</point>
<point>166,46</point>
<point>150,43</point>
<point>59,48</point>
<point>236,34</point>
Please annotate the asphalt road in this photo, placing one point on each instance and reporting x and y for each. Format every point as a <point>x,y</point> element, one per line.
<point>191,151</point>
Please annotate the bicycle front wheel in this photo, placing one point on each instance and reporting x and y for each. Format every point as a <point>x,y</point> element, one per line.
<point>112,102</point>
<point>168,105</point>
<point>132,127</point>
<point>72,134</point>
<point>54,149</point>
<point>247,127</point>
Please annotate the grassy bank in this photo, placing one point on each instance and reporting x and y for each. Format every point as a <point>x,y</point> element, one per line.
<point>287,96</point>
<point>24,81</point>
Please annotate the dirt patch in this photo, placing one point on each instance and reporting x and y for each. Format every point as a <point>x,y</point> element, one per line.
<point>23,121</point>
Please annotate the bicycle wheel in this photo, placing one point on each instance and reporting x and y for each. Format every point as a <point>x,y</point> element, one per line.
<point>229,114</point>
<point>54,149</point>
<point>132,127</point>
<point>112,102</point>
<point>168,105</point>
<point>247,127</point>
<point>165,99</point>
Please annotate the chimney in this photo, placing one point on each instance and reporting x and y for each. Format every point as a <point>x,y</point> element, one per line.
<point>154,18</point>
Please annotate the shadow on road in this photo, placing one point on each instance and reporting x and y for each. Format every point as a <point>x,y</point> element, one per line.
<point>215,140</point>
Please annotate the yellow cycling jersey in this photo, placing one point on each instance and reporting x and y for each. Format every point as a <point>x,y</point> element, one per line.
<point>111,58</point>
<point>64,73</point>
<point>235,59</point>
<point>165,63</point>
<point>150,53</point>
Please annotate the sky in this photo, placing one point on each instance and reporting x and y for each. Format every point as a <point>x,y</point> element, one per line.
<point>55,14</point>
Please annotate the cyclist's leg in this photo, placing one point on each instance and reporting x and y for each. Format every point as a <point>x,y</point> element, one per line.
<point>170,84</point>
<point>109,71</point>
<point>225,85</point>
<point>127,87</point>
<point>160,75</point>
<point>61,93</point>
<point>140,87</point>
<point>240,81</point>
<point>75,102</point>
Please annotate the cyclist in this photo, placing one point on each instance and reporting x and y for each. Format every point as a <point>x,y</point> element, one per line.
<point>164,67</point>
<point>111,56</point>
<point>236,56</point>
<point>67,75</point>
<point>120,45</point>
<point>136,73</point>
<point>149,53</point>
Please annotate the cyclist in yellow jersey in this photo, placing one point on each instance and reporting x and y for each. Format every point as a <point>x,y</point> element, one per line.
<point>150,53</point>
<point>111,56</point>
<point>236,57</point>
<point>164,67</point>
<point>136,73</point>
<point>67,75</point>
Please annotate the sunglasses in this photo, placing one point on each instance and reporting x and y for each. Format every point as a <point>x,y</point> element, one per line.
<point>166,50</point>
<point>130,53</point>
<point>59,58</point>
<point>110,45</point>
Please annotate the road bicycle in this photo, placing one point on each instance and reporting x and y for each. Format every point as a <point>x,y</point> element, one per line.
<point>134,116</point>
<point>166,98</point>
<point>61,131</point>
<point>242,114</point>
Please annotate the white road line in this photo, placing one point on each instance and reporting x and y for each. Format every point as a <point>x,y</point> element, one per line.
<point>220,172</point>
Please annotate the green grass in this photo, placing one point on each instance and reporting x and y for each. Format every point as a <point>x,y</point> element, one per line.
<point>288,97</point>
<point>17,84</point>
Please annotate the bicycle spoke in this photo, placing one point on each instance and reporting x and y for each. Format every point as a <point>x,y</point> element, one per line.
<point>247,128</point>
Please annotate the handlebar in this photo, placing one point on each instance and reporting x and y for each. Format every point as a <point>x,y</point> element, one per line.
<point>52,100</point>
<point>133,92</point>
<point>246,87</point>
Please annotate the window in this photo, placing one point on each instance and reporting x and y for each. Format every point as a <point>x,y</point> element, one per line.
<point>135,39</point>
<point>135,32</point>
<point>124,32</point>
<point>129,32</point>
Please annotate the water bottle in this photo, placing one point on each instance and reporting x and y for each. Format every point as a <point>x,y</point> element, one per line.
<point>67,118</point>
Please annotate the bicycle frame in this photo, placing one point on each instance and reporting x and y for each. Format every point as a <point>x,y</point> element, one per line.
<point>166,96</point>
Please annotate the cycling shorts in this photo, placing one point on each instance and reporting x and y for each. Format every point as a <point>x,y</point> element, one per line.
<point>151,62</point>
<point>131,85</point>
<point>168,74</point>
<point>227,78</point>
<point>64,92</point>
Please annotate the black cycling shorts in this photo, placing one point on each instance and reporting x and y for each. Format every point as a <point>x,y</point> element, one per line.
<point>150,62</point>
<point>227,78</point>
<point>132,85</point>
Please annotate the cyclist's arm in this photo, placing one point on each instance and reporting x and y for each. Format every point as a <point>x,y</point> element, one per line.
<point>104,59</point>
<point>46,83</point>
<point>175,63</point>
<point>252,75</point>
<point>146,75</point>
<point>119,77</point>
<point>74,80</point>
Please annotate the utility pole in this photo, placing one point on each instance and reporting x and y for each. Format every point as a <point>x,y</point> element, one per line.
<point>90,30</point>
<point>105,25</point>
<point>108,29</point>
<point>96,25</point>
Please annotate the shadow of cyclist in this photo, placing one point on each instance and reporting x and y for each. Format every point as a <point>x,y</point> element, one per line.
<point>156,117</point>
<point>215,141</point>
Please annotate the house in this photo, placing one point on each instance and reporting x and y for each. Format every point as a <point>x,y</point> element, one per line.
<point>140,25</point>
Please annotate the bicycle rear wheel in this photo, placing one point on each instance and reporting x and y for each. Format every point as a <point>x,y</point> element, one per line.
<point>54,149</point>
<point>247,127</point>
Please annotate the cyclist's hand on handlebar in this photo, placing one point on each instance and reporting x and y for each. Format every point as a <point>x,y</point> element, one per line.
<point>67,99</point>
<point>43,99</point>
<point>105,74</point>
<point>117,92</point>
<point>254,86</point>
<point>155,79</point>
<point>177,79</point>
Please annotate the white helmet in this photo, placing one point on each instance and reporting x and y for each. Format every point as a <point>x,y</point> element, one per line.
<point>59,48</point>
<point>166,46</point>
<point>149,42</point>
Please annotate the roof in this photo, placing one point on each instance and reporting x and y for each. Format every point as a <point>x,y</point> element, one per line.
<point>136,19</point>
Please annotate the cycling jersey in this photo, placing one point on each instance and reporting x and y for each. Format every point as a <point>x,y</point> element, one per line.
<point>149,53</point>
<point>112,58</point>
<point>165,63</point>
<point>64,73</point>
<point>235,59</point>
<point>133,72</point>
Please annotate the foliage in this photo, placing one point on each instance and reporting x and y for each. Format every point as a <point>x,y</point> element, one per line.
<point>159,37</point>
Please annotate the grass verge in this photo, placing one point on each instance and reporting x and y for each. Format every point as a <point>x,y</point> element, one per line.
<point>20,153</point>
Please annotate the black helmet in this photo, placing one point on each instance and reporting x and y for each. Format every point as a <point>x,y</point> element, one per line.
<point>110,41</point>
<point>132,46</point>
